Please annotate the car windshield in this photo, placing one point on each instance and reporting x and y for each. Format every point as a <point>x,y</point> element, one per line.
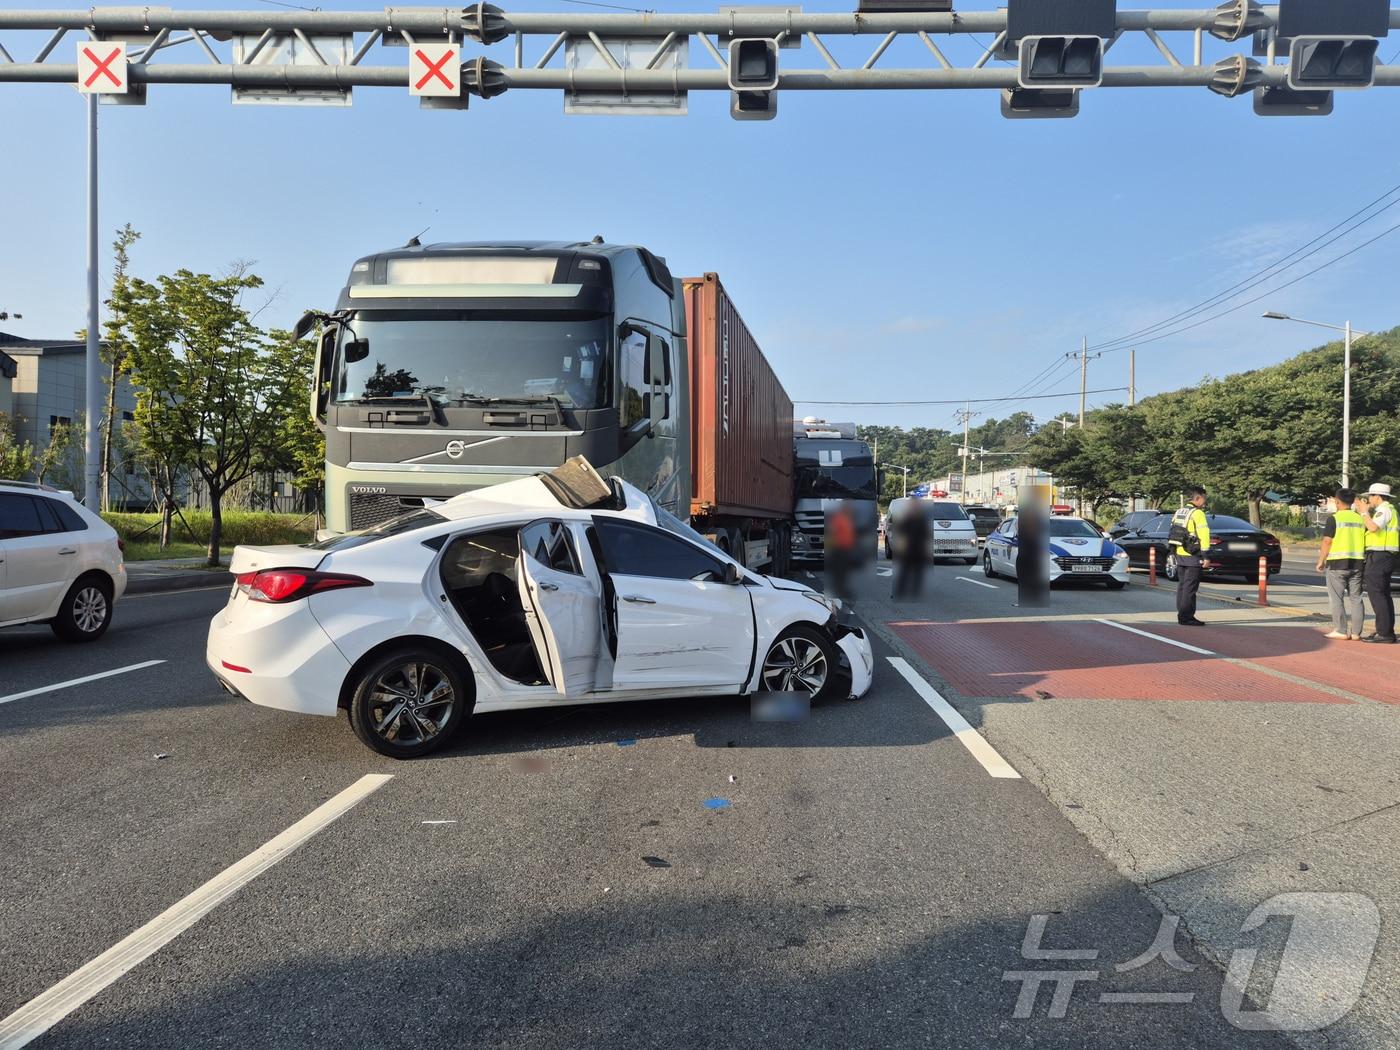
<point>473,361</point>
<point>1068,527</point>
<point>414,519</point>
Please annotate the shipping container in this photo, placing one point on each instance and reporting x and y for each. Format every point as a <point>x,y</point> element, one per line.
<point>741,458</point>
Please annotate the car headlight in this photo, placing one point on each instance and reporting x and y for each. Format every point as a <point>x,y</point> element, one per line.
<point>1121,556</point>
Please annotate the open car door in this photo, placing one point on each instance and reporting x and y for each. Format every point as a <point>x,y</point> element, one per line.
<point>562,607</point>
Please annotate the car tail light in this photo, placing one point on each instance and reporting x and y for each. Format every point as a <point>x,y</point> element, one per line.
<point>1271,542</point>
<point>278,586</point>
<point>121,546</point>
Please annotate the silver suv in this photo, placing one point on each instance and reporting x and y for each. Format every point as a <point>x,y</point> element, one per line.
<point>60,563</point>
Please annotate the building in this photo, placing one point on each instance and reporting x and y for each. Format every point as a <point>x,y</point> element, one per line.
<point>48,388</point>
<point>993,488</point>
<point>8,368</point>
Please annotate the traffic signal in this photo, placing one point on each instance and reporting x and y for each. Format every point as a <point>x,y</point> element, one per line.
<point>753,79</point>
<point>1326,63</point>
<point>1285,102</point>
<point>1020,104</point>
<point>1061,62</point>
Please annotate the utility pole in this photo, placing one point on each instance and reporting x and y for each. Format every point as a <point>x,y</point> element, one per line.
<point>966,416</point>
<point>1083,377</point>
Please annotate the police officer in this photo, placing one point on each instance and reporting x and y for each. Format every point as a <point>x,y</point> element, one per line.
<point>1343,558</point>
<point>1189,538</point>
<point>1382,547</point>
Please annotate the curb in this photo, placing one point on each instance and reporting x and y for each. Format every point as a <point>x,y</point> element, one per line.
<point>175,581</point>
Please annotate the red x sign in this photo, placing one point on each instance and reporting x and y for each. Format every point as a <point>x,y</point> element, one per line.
<point>430,74</point>
<point>102,68</point>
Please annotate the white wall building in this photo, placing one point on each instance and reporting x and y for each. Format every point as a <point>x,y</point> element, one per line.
<point>993,488</point>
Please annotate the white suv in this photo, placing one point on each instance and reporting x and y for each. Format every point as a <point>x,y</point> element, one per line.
<point>60,563</point>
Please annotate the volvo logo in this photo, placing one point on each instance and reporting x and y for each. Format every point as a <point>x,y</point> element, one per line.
<point>455,448</point>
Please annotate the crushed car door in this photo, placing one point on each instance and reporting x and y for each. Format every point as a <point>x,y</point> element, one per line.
<point>562,607</point>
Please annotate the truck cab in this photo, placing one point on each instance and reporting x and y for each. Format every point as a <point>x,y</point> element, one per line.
<point>449,367</point>
<point>832,467</point>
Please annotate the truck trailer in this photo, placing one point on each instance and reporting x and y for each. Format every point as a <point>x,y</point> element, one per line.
<point>450,367</point>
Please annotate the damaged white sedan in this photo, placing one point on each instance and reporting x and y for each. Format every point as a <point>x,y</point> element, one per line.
<point>553,590</point>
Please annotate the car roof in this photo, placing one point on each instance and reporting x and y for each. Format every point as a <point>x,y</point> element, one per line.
<point>37,487</point>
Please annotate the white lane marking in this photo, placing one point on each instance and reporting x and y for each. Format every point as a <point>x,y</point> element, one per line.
<point>884,572</point>
<point>974,741</point>
<point>44,1011</point>
<point>980,583</point>
<point>1160,638</point>
<point>77,681</point>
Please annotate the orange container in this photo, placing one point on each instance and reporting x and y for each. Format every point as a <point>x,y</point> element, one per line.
<point>741,417</point>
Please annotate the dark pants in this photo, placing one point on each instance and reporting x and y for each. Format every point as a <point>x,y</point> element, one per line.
<point>1379,566</point>
<point>1187,584</point>
<point>909,577</point>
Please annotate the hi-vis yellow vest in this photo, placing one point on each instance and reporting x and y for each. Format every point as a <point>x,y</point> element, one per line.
<point>1350,541</point>
<point>1385,539</point>
<point>1193,520</point>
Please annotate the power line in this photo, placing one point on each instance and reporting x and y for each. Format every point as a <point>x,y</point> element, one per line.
<point>963,400</point>
<point>1257,298</point>
<point>1273,270</point>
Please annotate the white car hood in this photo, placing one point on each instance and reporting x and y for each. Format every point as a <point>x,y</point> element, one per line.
<point>1080,547</point>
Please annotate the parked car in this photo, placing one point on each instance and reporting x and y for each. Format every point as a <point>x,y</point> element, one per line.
<point>985,520</point>
<point>531,593</point>
<point>1077,549</point>
<point>952,533</point>
<point>60,563</point>
<point>1235,547</point>
<point>1132,521</point>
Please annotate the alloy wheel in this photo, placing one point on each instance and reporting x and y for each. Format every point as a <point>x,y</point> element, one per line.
<point>1172,567</point>
<point>412,703</point>
<point>89,609</point>
<point>795,664</point>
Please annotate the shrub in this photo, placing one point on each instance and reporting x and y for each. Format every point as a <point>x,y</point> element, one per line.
<point>240,526</point>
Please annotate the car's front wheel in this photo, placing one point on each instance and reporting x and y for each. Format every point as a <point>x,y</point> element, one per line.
<point>409,702</point>
<point>802,659</point>
<point>86,611</point>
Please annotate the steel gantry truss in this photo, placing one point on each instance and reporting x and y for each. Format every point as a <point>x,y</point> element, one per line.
<point>642,62</point>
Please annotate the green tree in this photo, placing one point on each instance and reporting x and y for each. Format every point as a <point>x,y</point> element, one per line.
<point>16,457</point>
<point>205,377</point>
<point>297,445</point>
<point>114,347</point>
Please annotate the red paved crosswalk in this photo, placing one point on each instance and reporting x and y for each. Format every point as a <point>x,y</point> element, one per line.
<point>1090,660</point>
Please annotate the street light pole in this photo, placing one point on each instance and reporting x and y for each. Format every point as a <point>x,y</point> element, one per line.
<point>1346,410</point>
<point>1348,335</point>
<point>92,469</point>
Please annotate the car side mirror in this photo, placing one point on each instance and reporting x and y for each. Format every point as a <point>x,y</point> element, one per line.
<point>355,350</point>
<point>731,574</point>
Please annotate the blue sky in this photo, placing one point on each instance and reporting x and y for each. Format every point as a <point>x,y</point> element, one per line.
<point>881,245</point>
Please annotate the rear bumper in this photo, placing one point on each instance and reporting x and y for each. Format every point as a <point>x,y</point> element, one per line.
<point>277,656</point>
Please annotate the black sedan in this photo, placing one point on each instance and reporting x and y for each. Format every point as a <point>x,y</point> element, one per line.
<point>1235,547</point>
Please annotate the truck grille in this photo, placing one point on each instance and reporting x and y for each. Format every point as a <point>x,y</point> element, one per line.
<point>369,509</point>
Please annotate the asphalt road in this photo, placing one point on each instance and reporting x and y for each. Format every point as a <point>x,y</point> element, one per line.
<point>648,874</point>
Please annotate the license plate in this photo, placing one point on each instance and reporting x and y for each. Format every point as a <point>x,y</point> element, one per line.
<point>1241,547</point>
<point>1085,568</point>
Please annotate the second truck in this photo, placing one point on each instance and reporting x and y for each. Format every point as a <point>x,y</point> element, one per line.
<point>449,367</point>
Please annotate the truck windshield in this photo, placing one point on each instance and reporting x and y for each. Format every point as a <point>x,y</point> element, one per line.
<point>849,481</point>
<point>474,361</point>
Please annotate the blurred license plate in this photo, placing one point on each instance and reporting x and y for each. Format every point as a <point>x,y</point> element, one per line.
<point>1241,547</point>
<point>1086,568</point>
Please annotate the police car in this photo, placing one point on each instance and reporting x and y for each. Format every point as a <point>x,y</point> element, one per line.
<point>1078,550</point>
